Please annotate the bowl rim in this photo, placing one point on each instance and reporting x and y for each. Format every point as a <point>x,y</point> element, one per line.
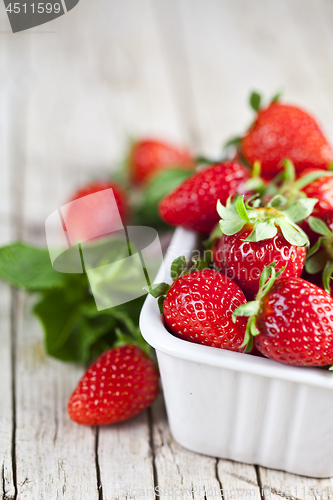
<point>155,333</point>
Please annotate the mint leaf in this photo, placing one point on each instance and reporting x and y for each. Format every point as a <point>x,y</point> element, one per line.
<point>161,185</point>
<point>28,267</point>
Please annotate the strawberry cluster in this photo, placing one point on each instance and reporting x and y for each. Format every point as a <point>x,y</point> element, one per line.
<point>268,211</point>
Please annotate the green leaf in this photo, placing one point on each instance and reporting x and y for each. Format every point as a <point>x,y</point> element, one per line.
<point>178,266</point>
<point>158,289</point>
<point>262,231</point>
<point>232,226</point>
<point>327,276</point>
<point>255,100</point>
<point>208,161</point>
<point>214,235</point>
<point>314,249</point>
<point>289,173</point>
<point>307,179</point>
<point>248,309</point>
<point>292,233</point>
<point>146,211</point>
<point>255,184</point>
<point>265,274</point>
<point>300,209</point>
<point>241,209</point>
<point>227,212</point>
<point>277,97</point>
<point>316,262</point>
<point>277,202</point>
<point>319,226</point>
<point>160,303</point>
<point>235,141</point>
<point>28,267</point>
<point>69,335</point>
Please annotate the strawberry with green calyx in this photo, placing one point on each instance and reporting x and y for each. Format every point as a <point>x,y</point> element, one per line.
<point>282,131</point>
<point>292,188</point>
<point>179,268</point>
<point>291,320</point>
<point>253,236</point>
<point>198,306</point>
<point>320,256</point>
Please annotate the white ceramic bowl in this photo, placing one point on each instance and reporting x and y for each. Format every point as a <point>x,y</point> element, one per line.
<point>237,406</point>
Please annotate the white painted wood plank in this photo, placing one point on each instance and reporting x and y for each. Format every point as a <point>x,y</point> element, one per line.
<point>6,407</point>
<point>7,489</point>
<point>277,484</point>
<point>238,480</point>
<point>97,80</point>
<point>125,460</point>
<point>55,458</point>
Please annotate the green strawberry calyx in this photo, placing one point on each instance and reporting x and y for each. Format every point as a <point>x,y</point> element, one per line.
<point>179,268</point>
<point>286,184</point>
<point>265,221</point>
<point>251,309</point>
<point>320,256</point>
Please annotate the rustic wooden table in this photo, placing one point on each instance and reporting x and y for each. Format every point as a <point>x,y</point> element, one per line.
<point>71,93</point>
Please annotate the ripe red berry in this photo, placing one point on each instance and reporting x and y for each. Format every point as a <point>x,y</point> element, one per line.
<point>282,131</point>
<point>244,261</point>
<point>253,237</point>
<point>296,324</point>
<point>119,385</point>
<point>291,321</point>
<point>193,204</point>
<point>199,307</point>
<point>149,157</point>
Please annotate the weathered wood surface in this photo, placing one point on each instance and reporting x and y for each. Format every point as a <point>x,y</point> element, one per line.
<point>71,93</point>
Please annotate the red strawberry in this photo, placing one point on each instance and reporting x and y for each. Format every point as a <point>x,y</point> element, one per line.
<point>193,204</point>
<point>291,321</point>
<point>89,218</point>
<point>198,307</point>
<point>282,131</point>
<point>120,384</point>
<point>254,237</point>
<point>149,156</point>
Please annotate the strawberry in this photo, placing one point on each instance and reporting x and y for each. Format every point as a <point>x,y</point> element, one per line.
<point>320,256</point>
<point>89,218</point>
<point>149,157</point>
<point>120,384</point>
<point>282,131</point>
<point>252,237</point>
<point>291,321</point>
<point>198,307</point>
<point>193,204</point>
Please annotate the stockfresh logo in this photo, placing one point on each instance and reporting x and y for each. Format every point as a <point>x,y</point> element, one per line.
<point>27,14</point>
<point>87,235</point>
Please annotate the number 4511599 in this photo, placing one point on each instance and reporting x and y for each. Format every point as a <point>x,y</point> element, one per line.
<point>34,8</point>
